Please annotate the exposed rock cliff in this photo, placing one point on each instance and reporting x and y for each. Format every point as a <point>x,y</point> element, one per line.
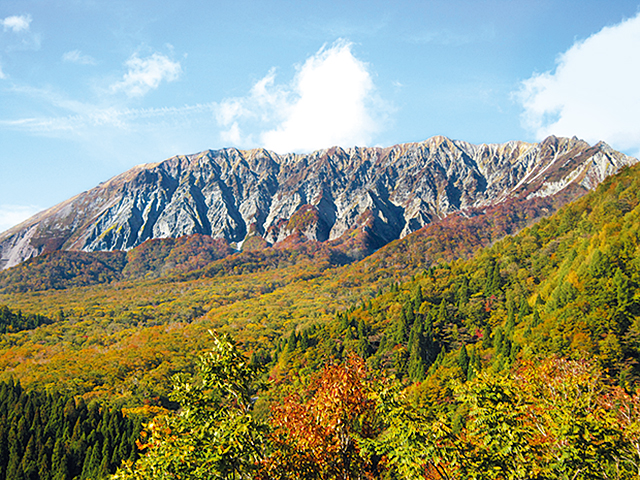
<point>233,194</point>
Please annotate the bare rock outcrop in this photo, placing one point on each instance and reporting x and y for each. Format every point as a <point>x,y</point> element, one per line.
<point>231,193</point>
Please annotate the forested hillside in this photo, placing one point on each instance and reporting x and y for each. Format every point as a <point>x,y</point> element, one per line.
<point>516,360</point>
<point>519,363</point>
<point>566,286</point>
<point>50,436</point>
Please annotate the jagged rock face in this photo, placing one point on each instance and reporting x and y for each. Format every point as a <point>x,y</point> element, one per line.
<point>232,194</point>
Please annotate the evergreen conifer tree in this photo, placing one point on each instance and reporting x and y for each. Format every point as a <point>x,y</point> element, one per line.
<point>29,464</point>
<point>59,462</point>
<point>416,346</point>
<point>463,359</point>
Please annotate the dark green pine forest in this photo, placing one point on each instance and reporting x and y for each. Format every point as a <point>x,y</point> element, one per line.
<point>505,345</point>
<point>48,435</point>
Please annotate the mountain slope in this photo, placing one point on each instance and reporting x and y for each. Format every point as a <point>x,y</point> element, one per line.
<point>233,194</point>
<point>125,339</point>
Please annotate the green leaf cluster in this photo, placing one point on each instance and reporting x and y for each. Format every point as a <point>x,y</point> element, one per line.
<point>215,434</point>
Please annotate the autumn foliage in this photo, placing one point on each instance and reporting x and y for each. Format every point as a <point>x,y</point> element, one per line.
<point>557,419</point>
<point>519,361</point>
<point>316,432</point>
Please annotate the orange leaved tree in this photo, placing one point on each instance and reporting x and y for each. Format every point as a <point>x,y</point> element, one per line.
<point>317,433</point>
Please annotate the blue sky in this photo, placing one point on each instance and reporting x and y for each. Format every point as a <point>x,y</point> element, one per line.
<point>90,88</point>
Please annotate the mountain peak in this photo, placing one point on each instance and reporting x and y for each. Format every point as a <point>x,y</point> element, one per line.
<point>231,193</point>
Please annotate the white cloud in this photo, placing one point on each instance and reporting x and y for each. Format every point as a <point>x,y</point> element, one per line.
<point>331,101</point>
<point>75,120</point>
<point>89,118</point>
<point>593,92</point>
<point>145,74</point>
<point>76,56</point>
<point>232,135</point>
<point>16,23</point>
<point>20,24</point>
<point>11,215</point>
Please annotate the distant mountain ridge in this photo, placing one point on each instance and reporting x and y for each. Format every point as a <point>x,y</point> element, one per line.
<point>236,195</point>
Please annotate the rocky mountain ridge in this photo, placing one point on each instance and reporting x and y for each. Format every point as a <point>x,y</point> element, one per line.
<point>235,194</point>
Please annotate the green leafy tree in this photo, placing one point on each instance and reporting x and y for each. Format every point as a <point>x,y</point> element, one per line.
<point>497,441</point>
<point>557,419</point>
<point>215,434</point>
<point>413,444</point>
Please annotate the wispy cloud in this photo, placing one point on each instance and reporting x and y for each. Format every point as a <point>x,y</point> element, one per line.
<point>11,215</point>
<point>441,37</point>
<point>24,39</point>
<point>593,92</point>
<point>83,121</point>
<point>16,23</point>
<point>452,38</point>
<point>332,100</point>
<point>145,74</point>
<point>91,116</point>
<point>76,56</point>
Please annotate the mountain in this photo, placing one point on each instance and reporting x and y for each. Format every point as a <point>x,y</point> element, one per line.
<point>124,339</point>
<point>242,196</point>
<point>539,331</point>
